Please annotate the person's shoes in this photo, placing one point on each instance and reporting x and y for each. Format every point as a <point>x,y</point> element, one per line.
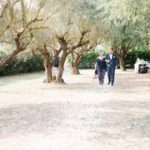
<point>101,84</point>
<point>112,84</point>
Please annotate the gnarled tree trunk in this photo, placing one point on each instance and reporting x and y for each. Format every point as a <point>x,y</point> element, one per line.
<point>61,67</point>
<point>75,62</point>
<point>4,61</point>
<point>122,61</point>
<point>47,65</point>
<point>122,64</point>
<point>48,69</point>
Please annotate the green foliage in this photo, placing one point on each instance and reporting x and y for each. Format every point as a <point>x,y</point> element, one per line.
<point>142,53</point>
<point>127,22</point>
<point>19,65</point>
<point>69,59</point>
<point>88,61</point>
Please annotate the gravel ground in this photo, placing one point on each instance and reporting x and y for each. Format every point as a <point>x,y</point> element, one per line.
<point>80,115</point>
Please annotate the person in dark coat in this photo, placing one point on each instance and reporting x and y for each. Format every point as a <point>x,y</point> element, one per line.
<point>111,60</point>
<point>101,67</point>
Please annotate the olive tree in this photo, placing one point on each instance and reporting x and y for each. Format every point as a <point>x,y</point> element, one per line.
<point>126,23</point>
<point>19,18</point>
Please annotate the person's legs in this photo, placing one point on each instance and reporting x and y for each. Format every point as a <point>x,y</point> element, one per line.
<point>112,75</point>
<point>100,76</point>
<point>109,74</point>
<point>103,75</point>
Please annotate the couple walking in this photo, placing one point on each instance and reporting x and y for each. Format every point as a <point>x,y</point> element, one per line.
<point>106,63</point>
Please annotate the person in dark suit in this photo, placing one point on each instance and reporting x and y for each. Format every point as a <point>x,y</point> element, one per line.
<point>111,60</point>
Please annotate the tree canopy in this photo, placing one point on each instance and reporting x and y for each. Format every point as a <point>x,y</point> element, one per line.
<point>58,28</point>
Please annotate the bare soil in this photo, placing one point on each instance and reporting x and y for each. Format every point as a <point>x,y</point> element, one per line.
<point>80,115</point>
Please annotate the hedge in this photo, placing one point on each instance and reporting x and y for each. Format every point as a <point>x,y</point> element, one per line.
<point>88,61</point>
<point>133,55</point>
<point>35,63</point>
<point>20,65</point>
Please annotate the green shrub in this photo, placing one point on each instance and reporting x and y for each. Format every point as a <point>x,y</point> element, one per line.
<point>21,65</point>
<point>88,61</point>
<point>133,55</point>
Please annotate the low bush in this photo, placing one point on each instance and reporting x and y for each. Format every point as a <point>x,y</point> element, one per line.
<point>21,65</point>
<point>88,61</point>
<point>133,55</point>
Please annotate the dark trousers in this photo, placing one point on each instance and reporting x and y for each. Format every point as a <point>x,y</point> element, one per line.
<point>111,74</point>
<point>101,75</point>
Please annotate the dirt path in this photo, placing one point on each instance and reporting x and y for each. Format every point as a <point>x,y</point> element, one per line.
<point>78,116</point>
